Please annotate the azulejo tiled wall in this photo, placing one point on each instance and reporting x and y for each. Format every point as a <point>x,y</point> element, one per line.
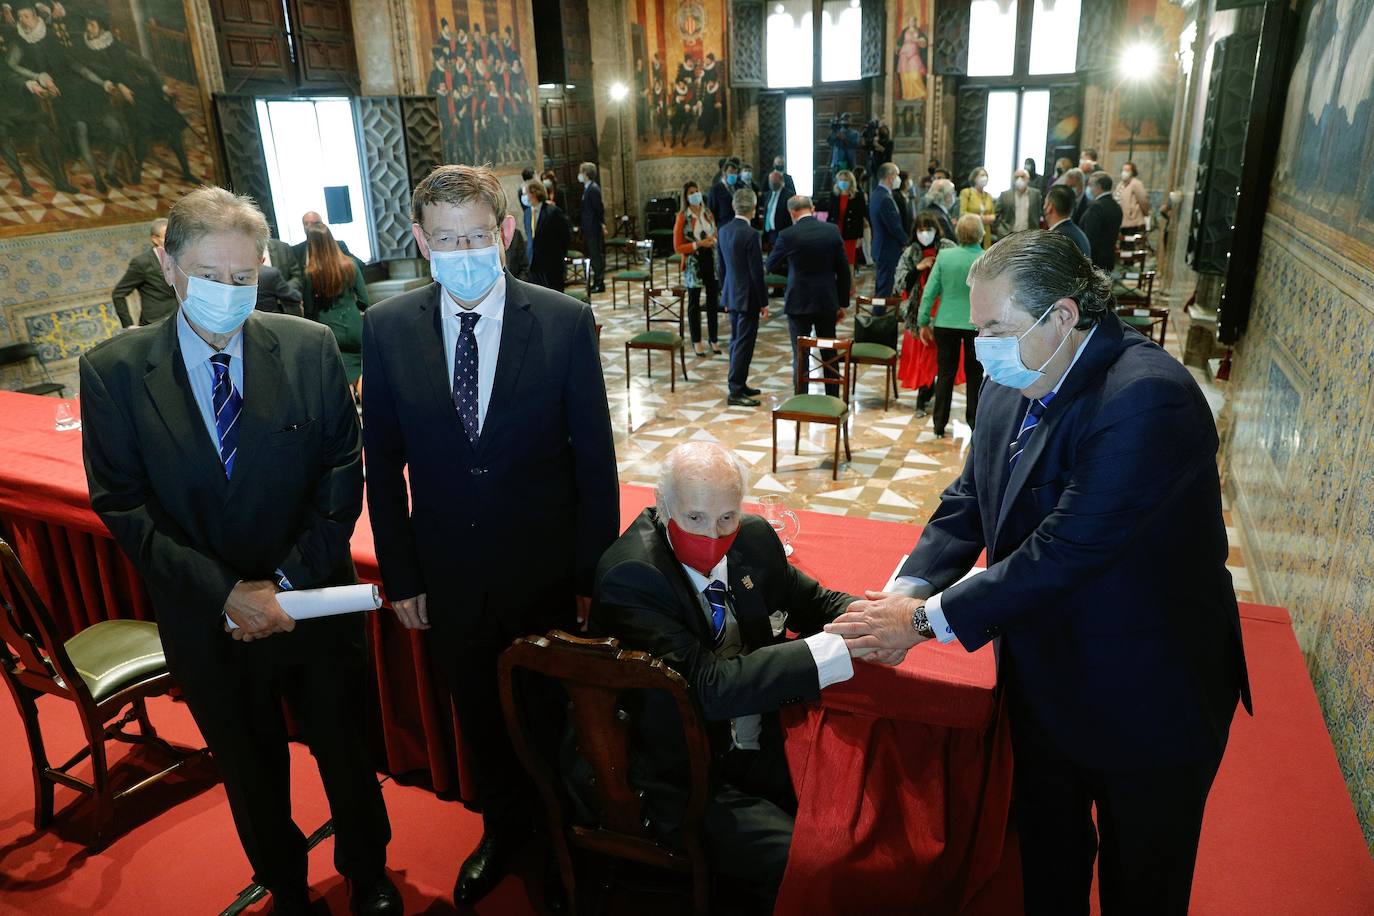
<point>1300,461</point>
<point>55,292</point>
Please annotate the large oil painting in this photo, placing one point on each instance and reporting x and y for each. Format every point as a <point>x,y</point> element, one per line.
<point>481,72</point>
<point>1145,101</point>
<point>681,91</point>
<point>911,65</point>
<point>103,118</point>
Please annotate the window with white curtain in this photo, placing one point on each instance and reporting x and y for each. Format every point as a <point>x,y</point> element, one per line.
<point>992,38</point>
<point>1017,129</point>
<point>841,39</point>
<point>1054,37</point>
<point>789,44</point>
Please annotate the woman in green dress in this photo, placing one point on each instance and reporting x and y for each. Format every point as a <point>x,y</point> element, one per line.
<point>334,294</point>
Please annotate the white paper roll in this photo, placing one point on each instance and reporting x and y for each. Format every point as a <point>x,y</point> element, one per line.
<point>306,603</point>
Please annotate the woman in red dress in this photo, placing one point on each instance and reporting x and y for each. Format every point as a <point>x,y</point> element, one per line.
<point>849,212</point>
<point>918,363</point>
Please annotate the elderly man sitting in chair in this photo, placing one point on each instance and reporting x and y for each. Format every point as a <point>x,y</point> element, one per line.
<point>708,589</point>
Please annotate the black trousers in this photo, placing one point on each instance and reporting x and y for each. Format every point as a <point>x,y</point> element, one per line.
<point>706,273</point>
<point>948,342</point>
<point>744,332</point>
<point>750,818</point>
<point>596,251</point>
<point>813,325</point>
<point>1145,843</point>
<point>235,692</point>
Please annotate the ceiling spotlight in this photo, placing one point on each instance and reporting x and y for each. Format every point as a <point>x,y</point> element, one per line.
<point>1139,61</point>
<point>619,91</point>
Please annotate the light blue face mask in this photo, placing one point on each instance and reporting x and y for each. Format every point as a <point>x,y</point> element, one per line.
<point>467,274</point>
<point>1001,358</point>
<point>730,179</point>
<point>220,308</point>
<point>842,185</point>
<point>694,198</point>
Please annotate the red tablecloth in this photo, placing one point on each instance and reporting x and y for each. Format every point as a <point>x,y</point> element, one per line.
<point>903,775</point>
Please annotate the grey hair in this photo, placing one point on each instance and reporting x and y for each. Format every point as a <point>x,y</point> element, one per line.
<point>744,201</point>
<point>1076,172</point>
<point>887,170</point>
<point>157,225</point>
<point>799,202</point>
<point>1100,180</point>
<point>1043,268</point>
<point>208,210</point>
<point>699,459</point>
<point>942,187</point>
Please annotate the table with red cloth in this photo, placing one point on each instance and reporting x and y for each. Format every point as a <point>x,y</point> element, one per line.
<point>903,774</point>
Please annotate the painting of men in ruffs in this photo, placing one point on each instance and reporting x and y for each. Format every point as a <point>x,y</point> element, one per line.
<point>102,119</point>
<point>680,80</point>
<point>480,58</point>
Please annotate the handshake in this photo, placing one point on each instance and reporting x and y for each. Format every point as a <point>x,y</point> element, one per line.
<point>879,628</point>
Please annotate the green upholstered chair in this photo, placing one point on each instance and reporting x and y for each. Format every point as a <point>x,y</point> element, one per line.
<point>673,260</point>
<point>775,283</point>
<point>577,293</point>
<point>1151,321</point>
<point>101,670</point>
<point>629,276</point>
<point>667,307</point>
<point>1135,288</point>
<point>620,248</point>
<point>876,354</point>
<point>830,361</point>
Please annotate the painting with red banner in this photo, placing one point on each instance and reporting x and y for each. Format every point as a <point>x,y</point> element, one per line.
<point>912,69</point>
<point>680,82</point>
<point>481,72</point>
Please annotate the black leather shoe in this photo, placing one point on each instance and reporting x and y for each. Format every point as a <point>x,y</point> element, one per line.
<point>741,400</point>
<point>375,898</point>
<point>753,392</point>
<point>485,867</point>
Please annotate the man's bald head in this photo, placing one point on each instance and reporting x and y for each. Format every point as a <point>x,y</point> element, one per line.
<point>311,218</point>
<point>701,486</point>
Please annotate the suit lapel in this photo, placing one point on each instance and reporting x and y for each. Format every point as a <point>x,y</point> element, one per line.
<point>516,326</point>
<point>265,394</point>
<point>170,391</point>
<point>751,611</point>
<point>433,359</point>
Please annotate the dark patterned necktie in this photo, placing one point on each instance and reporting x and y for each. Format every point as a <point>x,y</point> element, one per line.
<point>715,596</point>
<point>465,375</point>
<point>1032,420</point>
<point>228,404</point>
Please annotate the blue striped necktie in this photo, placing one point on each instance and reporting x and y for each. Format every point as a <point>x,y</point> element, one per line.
<point>715,596</point>
<point>1032,420</point>
<point>228,405</point>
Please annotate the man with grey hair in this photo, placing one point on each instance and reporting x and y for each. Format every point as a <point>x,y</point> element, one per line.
<point>739,269</point>
<point>707,588</point>
<point>1018,207</point>
<point>773,213</point>
<point>888,236</point>
<point>1092,484</point>
<point>1077,182</point>
<point>940,205</point>
<point>224,454</point>
<point>1101,221</point>
<point>144,274</point>
<point>811,253</point>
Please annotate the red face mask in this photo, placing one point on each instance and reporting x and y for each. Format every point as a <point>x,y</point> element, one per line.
<point>699,551</point>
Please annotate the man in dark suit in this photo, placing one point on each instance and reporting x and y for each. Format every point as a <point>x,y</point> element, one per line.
<point>144,274</point>
<point>789,186</point>
<point>1058,203</point>
<point>1120,682</point>
<point>1102,221</point>
<point>489,443</point>
<point>888,237</point>
<point>739,270</point>
<point>223,453</point>
<point>708,589</point>
<point>310,218</point>
<point>941,205</point>
<point>276,295</point>
<point>1077,182</point>
<point>593,225</point>
<point>1018,208</point>
<point>811,253</point>
<point>721,198</point>
<point>773,213</point>
<point>283,257</point>
<point>546,237</point>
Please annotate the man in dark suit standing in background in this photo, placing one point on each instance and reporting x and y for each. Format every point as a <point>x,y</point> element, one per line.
<point>546,237</point>
<point>144,273</point>
<point>283,257</point>
<point>739,269</point>
<point>774,215</point>
<point>789,186</point>
<point>721,198</point>
<point>1059,203</point>
<point>223,453</point>
<point>308,218</point>
<point>593,225</point>
<point>888,237</point>
<point>491,476</point>
<point>1127,710</point>
<point>276,295</point>
<point>1018,208</point>
<point>812,255</point>
<point>1102,221</point>
<point>708,589</point>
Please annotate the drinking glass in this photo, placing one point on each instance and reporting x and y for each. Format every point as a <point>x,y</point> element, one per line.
<point>783,520</point>
<point>66,416</point>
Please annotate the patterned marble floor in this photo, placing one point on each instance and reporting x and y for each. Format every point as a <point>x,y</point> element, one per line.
<point>898,469</point>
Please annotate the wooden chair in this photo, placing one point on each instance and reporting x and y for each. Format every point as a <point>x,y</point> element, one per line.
<point>629,276</point>
<point>673,260</point>
<point>664,305</point>
<point>875,354</point>
<point>804,407</point>
<point>775,283</point>
<point>1141,294</point>
<point>13,354</point>
<point>101,670</point>
<point>1145,319</point>
<point>595,674</point>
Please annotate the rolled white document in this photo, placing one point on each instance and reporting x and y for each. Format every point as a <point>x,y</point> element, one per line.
<point>306,603</point>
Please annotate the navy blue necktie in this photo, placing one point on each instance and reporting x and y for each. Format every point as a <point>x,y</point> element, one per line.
<point>1032,420</point>
<point>465,375</point>
<point>228,404</point>
<point>715,596</point>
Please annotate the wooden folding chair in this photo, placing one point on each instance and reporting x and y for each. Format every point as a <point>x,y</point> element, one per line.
<point>876,354</point>
<point>833,367</point>
<point>668,306</point>
<point>1145,319</point>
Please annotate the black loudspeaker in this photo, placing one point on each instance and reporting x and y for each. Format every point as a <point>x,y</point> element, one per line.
<point>660,213</point>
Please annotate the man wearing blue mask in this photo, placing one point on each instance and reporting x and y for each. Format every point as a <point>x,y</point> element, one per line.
<point>721,200</point>
<point>1092,484</point>
<point>491,477</point>
<point>223,453</point>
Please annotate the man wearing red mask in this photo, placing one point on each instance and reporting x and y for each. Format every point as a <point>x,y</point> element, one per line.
<point>708,589</point>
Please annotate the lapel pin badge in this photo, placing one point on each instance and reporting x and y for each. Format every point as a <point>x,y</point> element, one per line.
<point>747,582</point>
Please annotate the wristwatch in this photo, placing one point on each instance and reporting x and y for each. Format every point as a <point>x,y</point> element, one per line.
<point>920,624</point>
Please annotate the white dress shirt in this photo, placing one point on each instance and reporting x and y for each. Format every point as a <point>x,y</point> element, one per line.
<point>912,586</point>
<point>195,355</point>
<point>488,333</point>
<point>828,650</point>
<point>1022,221</point>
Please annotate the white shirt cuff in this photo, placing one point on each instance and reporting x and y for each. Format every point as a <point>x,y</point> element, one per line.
<point>910,586</point>
<point>936,618</point>
<point>833,664</point>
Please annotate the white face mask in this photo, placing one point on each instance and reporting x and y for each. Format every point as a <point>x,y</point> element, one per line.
<point>925,236</point>
<point>1126,176</point>
<point>219,308</point>
<point>980,182</point>
<point>1020,184</point>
